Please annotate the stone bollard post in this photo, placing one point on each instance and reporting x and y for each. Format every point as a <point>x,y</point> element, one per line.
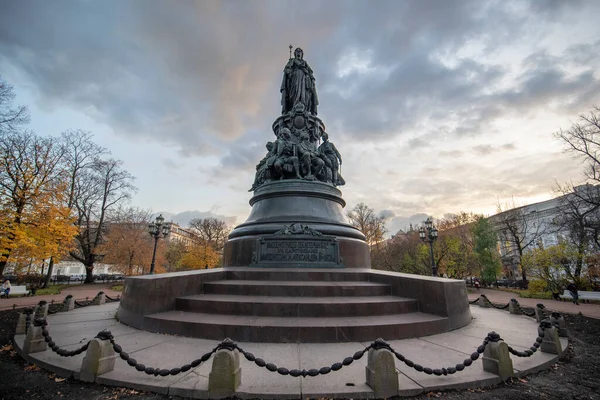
<point>23,322</point>
<point>99,299</point>
<point>42,309</point>
<point>514,307</point>
<point>382,375</point>
<point>34,341</point>
<point>99,357</point>
<point>539,312</point>
<point>496,358</point>
<point>483,302</point>
<point>551,342</point>
<point>68,304</point>
<point>558,321</point>
<point>226,374</point>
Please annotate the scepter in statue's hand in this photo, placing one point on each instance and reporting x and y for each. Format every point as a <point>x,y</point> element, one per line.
<point>291,51</point>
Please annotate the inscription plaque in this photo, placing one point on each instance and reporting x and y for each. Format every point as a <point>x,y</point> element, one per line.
<point>297,251</point>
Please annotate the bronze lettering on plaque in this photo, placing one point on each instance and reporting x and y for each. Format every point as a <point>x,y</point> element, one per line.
<point>295,251</point>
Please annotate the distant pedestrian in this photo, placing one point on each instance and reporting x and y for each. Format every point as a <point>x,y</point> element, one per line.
<point>477,284</point>
<point>5,288</point>
<point>573,291</point>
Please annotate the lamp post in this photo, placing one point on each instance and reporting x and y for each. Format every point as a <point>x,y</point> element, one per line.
<point>429,234</point>
<point>157,230</point>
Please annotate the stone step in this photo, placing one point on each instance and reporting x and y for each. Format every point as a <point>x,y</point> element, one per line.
<point>285,306</point>
<point>297,274</point>
<point>296,288</point>
<point>295,329</point>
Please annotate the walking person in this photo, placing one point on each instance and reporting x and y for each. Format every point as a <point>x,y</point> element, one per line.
<point>573,291</point>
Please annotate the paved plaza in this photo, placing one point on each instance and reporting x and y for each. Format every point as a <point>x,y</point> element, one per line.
<point>70,330</point>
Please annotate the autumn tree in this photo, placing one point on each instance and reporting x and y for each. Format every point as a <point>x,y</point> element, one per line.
<point>29,170</point>
<point>127,244</point>
<point>174,254</point>
<point>485,242</point>
<point>365,220</point>
<point>212,231</point>
<point>518,231</point>
<point>453,249</point>
<point>199,257</point>
<point>212,234</point>
<point>11,117</point>
<point>582,140</point>
<point>404,253</point>
<point>99,191</point>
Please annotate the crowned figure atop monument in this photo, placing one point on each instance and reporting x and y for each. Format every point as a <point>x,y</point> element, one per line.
<point>298,85</point>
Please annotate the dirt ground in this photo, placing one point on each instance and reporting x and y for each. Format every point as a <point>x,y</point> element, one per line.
<point>576,376</point>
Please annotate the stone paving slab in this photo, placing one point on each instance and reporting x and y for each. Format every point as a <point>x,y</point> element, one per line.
<point>259,382</point>
<point>71,330</point>
<point>349,382</point>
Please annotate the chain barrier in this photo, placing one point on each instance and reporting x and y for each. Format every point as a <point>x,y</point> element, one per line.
<point>110,299</point>
<point>28,313</point>
<point>107,335</point>
<point>380,343</point>
<point>529,314</point>
<point>41,322</point>
<point>296,372</point>
<point>538,341</point>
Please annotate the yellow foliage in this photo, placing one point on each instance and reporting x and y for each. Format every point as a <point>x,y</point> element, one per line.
<point>46,228</point>
<point>199,257</point>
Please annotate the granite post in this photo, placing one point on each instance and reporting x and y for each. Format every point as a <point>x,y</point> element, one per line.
<point>34,341</point>
<point>226,374</point>
<point>99,357</point>
<point>496,358</point>
<point>381,373</point>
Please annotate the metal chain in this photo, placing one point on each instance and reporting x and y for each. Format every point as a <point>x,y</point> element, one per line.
<point>53,346</point>
<point>538,341</point>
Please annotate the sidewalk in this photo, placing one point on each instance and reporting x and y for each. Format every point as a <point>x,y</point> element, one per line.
<point>80,292</point>
<point>568,307</point>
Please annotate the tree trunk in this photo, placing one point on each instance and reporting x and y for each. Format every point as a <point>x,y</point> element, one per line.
<point>49,274</point>
<point>3,264</point>
<point>89,276</point>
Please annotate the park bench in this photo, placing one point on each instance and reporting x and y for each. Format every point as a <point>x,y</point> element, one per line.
<point>583,295</point>
<point>18,290</point>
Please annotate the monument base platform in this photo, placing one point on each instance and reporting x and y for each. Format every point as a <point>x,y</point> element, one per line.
<point>294,305</point>
<point>300,216</point>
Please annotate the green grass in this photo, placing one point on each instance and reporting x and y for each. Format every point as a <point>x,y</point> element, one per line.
<point>54,289</point>
<point>117,288</point>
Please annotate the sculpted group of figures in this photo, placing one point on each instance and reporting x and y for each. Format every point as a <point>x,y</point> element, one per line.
<point>296,157</point>
<point>294,154</point>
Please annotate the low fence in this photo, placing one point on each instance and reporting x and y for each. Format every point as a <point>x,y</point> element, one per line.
<point>225,376</point>
<point>82,302</point>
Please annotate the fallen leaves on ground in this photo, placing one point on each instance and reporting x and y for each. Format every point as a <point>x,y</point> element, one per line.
<point>7,347</point>
<point>32,368</point>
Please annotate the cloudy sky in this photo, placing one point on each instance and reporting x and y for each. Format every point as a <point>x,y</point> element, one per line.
<point>436,106</point>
